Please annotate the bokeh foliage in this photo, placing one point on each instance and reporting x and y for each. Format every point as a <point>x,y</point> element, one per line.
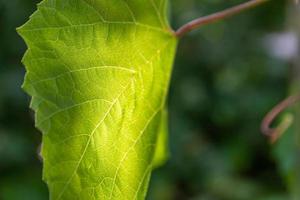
<point>224,81</point>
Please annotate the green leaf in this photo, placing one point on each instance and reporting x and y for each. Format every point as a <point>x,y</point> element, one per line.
<point>286,152</point>
<point>98,72</point>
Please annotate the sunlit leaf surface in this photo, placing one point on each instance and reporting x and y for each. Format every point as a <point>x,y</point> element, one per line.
<point>98,72</point>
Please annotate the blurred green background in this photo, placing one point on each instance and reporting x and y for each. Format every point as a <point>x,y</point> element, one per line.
<point>226,77</point>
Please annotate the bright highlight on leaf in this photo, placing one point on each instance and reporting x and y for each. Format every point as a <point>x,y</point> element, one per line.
<point>98,72</point>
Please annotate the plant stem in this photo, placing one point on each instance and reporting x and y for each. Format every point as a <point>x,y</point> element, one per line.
<point>274,133</point>
<point>217,16</point>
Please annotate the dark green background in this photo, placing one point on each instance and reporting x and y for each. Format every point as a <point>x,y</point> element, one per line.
<point>224,81</point>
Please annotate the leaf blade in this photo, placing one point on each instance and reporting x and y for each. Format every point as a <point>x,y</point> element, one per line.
<point>99,80</point>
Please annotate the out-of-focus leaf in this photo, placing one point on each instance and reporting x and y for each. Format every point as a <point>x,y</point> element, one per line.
<point>287,149</point>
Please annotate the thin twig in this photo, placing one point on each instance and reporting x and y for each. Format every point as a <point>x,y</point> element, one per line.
<point>274,133</point>
<point>217,16</point>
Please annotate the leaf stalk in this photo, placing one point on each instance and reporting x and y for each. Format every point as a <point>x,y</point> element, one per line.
<point>194,24</point>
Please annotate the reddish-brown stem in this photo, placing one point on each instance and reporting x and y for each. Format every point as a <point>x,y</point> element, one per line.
<point>269,118</point>
<point>216,16</point>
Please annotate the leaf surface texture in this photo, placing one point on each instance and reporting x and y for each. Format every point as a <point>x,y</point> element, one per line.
<point>98,72</point>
